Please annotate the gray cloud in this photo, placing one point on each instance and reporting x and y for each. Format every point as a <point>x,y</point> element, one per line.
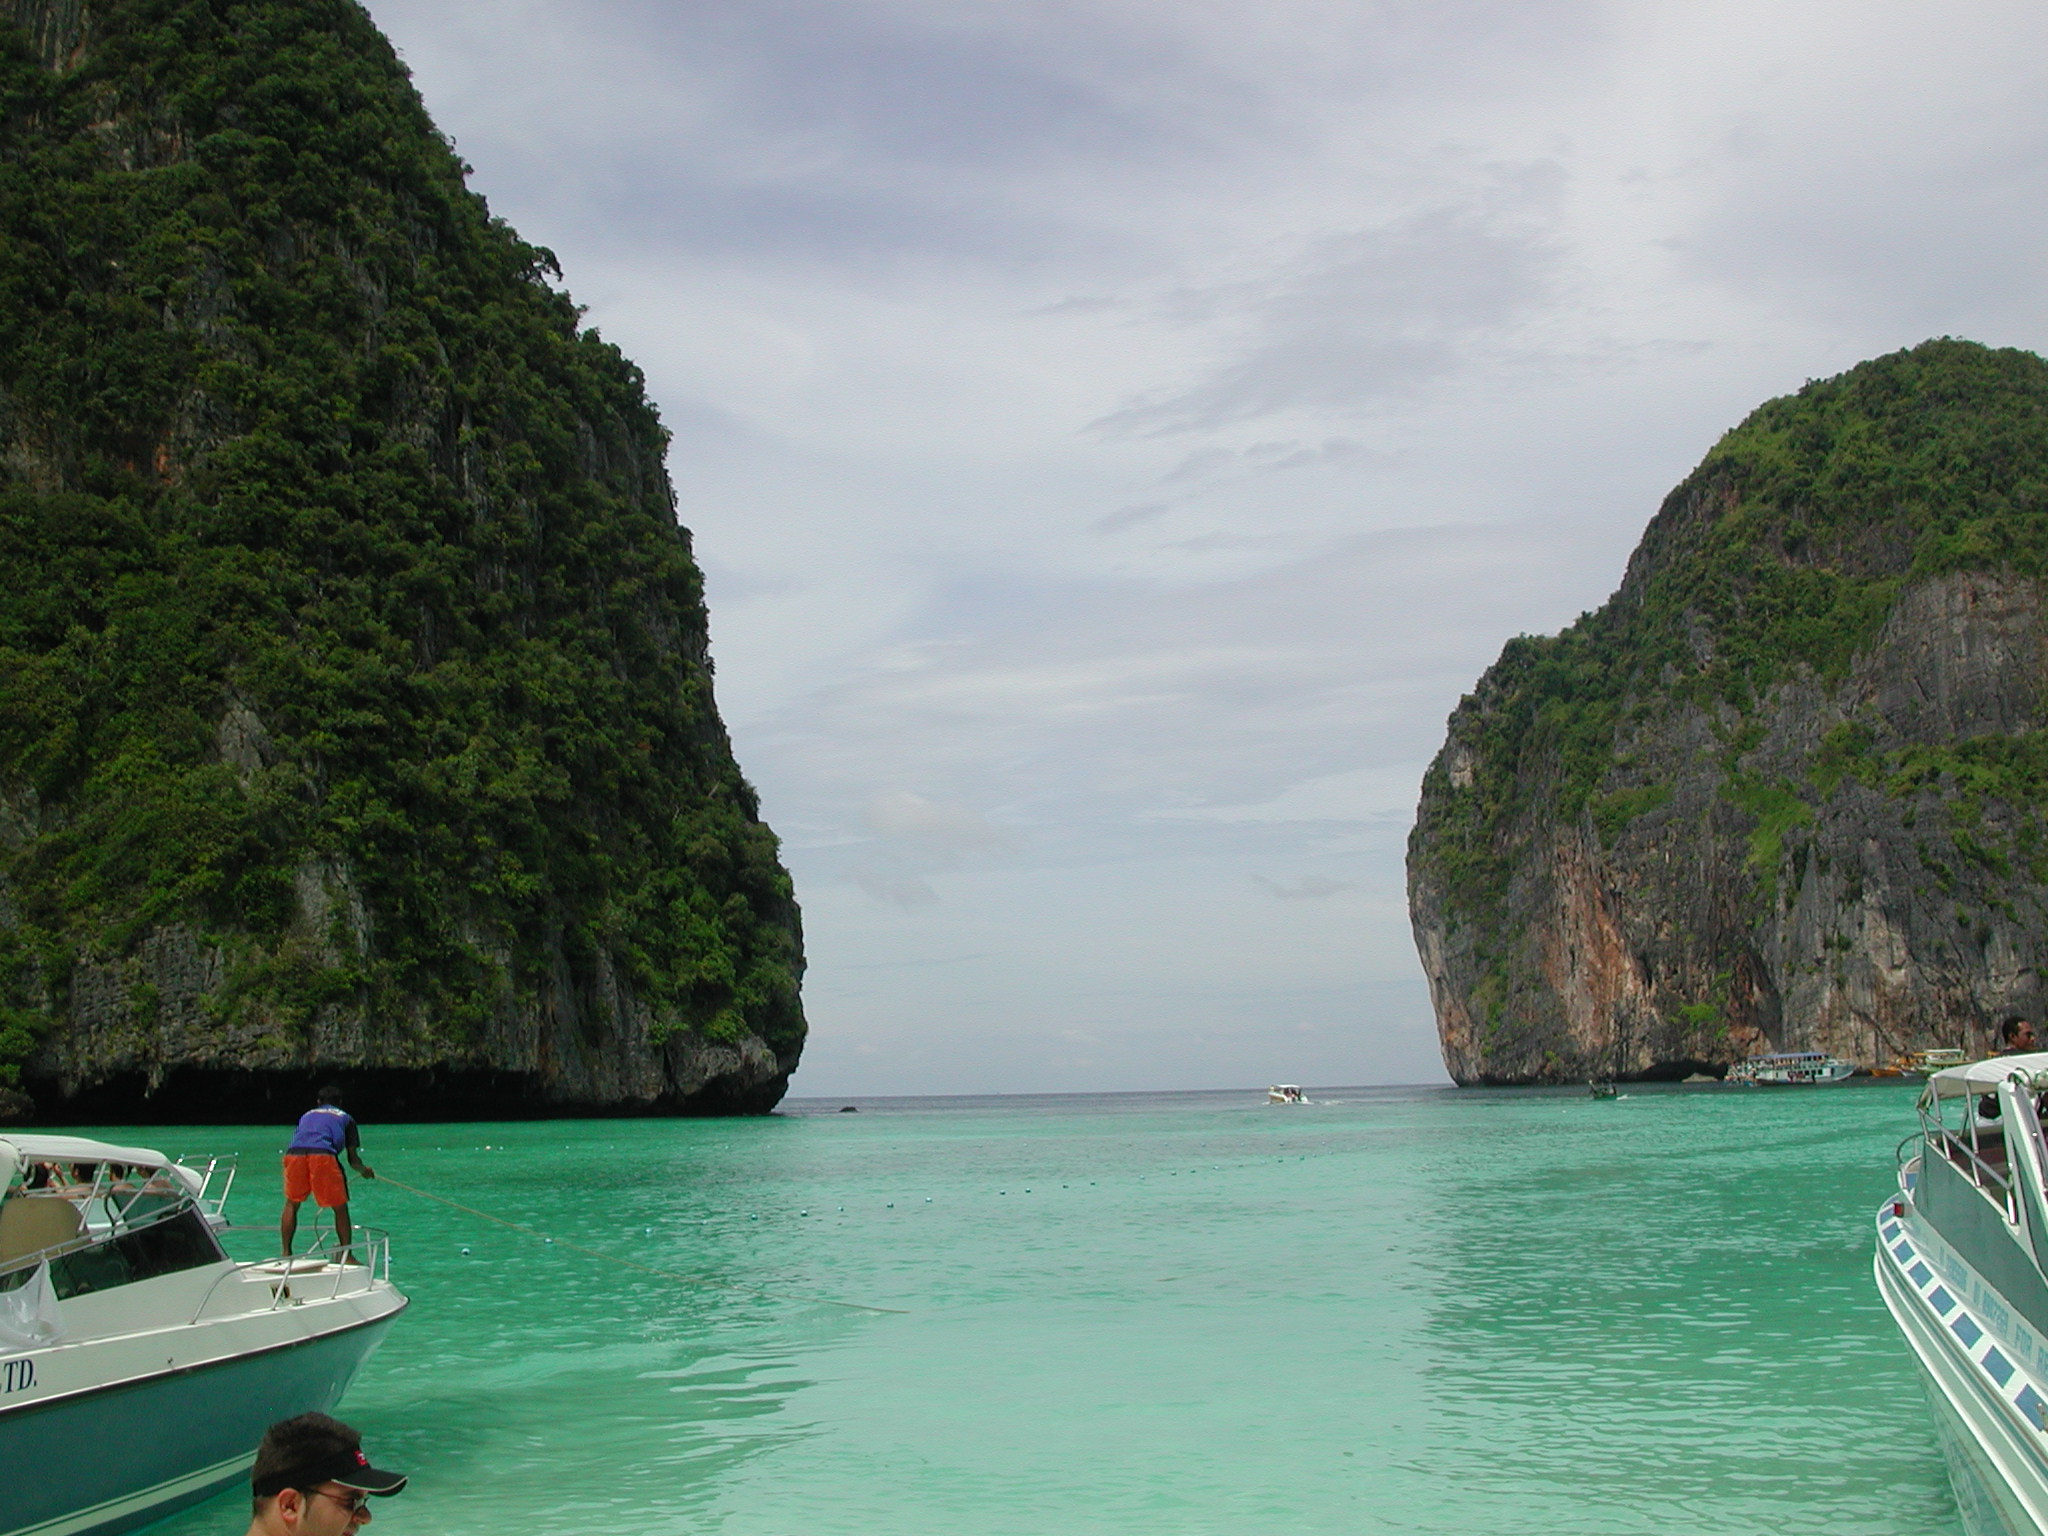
<point>1307,888</point>
<point>1128,517</point>
<point>1368,317</point>
<point>895,887</point>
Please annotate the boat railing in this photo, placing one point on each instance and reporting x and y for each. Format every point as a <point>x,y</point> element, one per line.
<point>1961,1149</point>
<point>326,1271</point>
<point>223,1169</point>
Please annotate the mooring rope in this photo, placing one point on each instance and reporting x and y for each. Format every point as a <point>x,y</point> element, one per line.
<point>613,1258</point>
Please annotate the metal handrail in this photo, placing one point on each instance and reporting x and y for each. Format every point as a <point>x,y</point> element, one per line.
<point>207,1201</point>
<point>373,1243</point>
<point>1985,1176</point>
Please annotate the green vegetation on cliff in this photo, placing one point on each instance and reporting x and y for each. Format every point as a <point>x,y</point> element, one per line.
<point>344,615</point>
<point>1779,557</point>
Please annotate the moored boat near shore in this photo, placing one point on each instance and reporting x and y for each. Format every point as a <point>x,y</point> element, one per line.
<point>1962,1265</point>
<point>1792,1069</point>
<point>139,1363</point>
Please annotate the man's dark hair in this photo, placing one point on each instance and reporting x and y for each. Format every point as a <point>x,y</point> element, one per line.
<point>2011,1028</point>
<point>331,1094</point>
<point>292,1447</point>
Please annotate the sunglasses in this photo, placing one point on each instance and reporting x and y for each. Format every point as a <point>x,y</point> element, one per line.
<point>354,1503</point>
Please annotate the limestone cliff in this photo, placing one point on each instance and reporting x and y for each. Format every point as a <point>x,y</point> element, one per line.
<point>1786,790</point>
<point>355,697</point>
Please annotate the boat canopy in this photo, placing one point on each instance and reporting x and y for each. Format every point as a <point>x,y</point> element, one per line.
<point>16,1150</point>
<point>1978,1077</point>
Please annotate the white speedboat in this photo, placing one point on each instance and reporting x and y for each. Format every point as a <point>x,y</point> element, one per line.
<point>139,1363</point>
<point>1781,1069</point>
<point>1962,1263</point>
<point>1285,1093</point>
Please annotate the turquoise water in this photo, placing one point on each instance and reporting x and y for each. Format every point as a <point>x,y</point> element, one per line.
<point>1412,1310</point>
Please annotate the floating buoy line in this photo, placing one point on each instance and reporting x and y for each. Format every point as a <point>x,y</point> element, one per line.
<point>648,1269</point>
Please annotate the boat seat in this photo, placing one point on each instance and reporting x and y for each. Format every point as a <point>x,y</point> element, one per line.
<point>31,1223</point>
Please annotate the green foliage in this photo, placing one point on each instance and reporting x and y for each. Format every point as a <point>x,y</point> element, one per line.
<point>1845,753</point>
<point>1779,557</point>
<point>1612,813</point>
<point>302,443</point>
<point>1776,810</point>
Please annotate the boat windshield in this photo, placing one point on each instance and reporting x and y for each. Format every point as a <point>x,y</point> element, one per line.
<point>99,1215</point>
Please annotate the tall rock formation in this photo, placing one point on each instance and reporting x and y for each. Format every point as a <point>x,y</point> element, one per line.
<point>355,704</point>
<point>1786,789</point>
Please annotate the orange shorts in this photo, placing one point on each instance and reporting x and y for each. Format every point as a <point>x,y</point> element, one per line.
<point>317,1174</point>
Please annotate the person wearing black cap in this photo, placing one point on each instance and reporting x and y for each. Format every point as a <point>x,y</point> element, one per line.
<point>311,1478</point>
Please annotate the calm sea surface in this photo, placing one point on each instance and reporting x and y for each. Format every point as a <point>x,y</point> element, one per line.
<point>1406,1310</point>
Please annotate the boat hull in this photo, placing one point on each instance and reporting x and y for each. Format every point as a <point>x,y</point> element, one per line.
<point>111,1459</point>
<point>1994,1434</point>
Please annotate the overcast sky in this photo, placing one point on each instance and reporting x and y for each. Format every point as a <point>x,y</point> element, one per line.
<point>1116,433</point>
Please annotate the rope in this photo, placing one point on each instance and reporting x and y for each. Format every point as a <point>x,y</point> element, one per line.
<point>612,1258</point>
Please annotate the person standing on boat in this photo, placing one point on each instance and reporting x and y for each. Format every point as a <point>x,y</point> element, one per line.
<point>311,1478</point>
<point>312,1167</point>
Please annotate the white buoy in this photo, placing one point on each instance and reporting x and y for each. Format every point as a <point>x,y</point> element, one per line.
<point>465,1253</point>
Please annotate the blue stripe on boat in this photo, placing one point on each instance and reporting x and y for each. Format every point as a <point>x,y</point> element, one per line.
<point>2031,1404</point>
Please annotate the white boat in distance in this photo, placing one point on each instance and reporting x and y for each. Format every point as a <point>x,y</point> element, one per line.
<point>1285,1093</point>
<point>1806,1069</point>
<point>1962,1264</point>
<point>139,1364</point>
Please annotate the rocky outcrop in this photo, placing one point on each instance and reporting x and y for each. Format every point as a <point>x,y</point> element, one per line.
<point>356,712</point>
<point>1636,858</point>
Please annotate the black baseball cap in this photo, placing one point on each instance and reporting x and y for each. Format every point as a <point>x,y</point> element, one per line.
<point>313,1449</point>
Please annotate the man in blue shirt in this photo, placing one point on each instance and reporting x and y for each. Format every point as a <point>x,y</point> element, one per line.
<point>312,1167</point>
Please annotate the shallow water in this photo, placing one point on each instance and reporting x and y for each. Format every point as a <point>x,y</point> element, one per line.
<point>1410,1310</point>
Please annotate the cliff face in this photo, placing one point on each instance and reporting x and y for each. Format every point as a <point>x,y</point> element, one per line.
<point>355,699</point>
<point>1786,789</point>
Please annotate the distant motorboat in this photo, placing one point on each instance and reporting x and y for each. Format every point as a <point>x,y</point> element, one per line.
<point>1792,1069</point>
<point>1285,1093</point>
<point>1603,1090</point>
<point>1925,1063</point>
